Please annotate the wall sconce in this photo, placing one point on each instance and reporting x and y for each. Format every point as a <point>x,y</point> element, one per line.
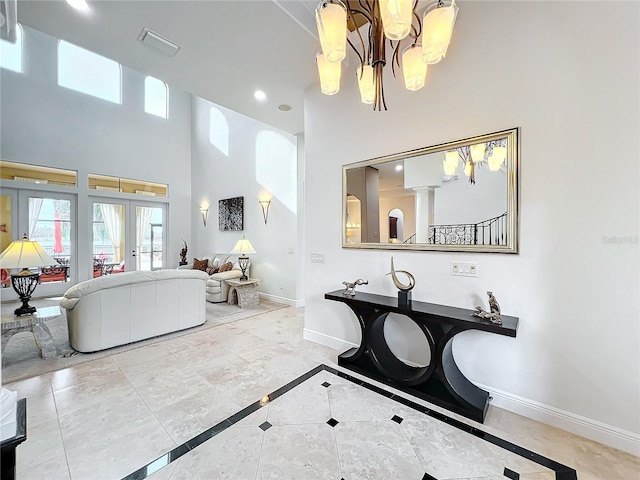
<point>204,211</point>
<point>265,204</point>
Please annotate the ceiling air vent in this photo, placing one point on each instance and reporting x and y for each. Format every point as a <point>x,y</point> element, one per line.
<point>158,42</point>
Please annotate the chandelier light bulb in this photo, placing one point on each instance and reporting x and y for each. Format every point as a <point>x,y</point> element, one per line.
<point>451,157</point>
<point>413,67</point>
<point>329,75</point>
<point>496,159</point>
<point>331,20</point>
<point>366,84</point>
<point>477,152</point>
<point>396,18</point>
<point>467,168</point>
<point>449,167</point>
<point>437,28</point>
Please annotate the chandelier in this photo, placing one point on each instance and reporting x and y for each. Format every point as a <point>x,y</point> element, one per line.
<point>493,153</point>
<point>394,20</point>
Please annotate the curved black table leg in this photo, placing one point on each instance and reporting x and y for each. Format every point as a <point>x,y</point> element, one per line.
<point>470,398</point>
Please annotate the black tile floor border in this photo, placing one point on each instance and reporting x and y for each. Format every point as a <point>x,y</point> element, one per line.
<point>562,471</point>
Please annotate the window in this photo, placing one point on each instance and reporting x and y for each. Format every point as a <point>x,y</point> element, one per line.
<point>11,53</point>
<point>156,95</point>
<point>35,174</point>
<point>127,185</point>
<point>88,72</point>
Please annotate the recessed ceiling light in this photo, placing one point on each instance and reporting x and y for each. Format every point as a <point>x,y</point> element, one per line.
<point>79,5</point>
<point>398,168</point>
<point>283,107</point>
<point>260,95</point>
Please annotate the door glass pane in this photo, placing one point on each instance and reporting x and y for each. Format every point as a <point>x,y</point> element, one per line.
<point>50,225</point>
<point>149,238</point>
<point>108,238</point>
<point>5,234</point>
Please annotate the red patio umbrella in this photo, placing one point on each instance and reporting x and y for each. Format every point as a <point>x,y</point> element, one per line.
<point>57,235</point>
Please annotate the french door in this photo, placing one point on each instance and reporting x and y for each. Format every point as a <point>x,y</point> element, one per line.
<point>127,235</point>
<point>49,219</point>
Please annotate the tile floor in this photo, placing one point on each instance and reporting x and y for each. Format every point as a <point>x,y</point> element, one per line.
<point>108,418</point>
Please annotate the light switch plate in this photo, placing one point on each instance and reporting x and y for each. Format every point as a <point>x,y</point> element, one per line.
<point>464,269</point>
<point>317,258</point>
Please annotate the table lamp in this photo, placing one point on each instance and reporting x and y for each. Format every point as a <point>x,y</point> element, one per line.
<point>25,254</point>
<point>243,247</point>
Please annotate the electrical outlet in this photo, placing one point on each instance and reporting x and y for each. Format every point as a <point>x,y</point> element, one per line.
<point>464,269</point>
<point>281,285</point>
<point>317,258</point>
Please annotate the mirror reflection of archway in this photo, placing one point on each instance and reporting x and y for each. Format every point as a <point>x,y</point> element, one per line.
<point>396,225</point>
<point>353,220</point>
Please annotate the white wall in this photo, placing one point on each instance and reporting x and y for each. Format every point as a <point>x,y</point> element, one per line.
<point>44,124</point>
<point>570,81</point>
<point>260,162</point>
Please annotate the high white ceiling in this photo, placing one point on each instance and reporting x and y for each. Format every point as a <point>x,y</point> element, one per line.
<point>229,48</point>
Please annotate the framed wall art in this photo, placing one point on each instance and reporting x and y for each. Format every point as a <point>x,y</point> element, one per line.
<point>231,214</point>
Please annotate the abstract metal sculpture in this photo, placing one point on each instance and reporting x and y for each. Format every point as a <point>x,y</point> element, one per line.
<point>404,291</point>
<point>183,253</point>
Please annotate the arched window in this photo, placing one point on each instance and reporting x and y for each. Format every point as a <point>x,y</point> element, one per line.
<point>88,72</point>
<point>156,97</point>
<point>11,53</point>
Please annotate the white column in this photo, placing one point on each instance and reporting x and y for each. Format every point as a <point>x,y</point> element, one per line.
<point>423,209</point>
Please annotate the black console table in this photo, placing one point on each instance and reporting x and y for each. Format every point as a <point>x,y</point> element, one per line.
<point>440,382</point>
<point>10,444</point>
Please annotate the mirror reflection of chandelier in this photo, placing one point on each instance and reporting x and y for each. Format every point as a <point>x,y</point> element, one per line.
<point>494,153</point>
<point>381,20</point>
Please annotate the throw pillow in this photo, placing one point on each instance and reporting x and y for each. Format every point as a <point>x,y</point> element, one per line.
<point>212,270</point>
<point>225,267</point>
<point>200,264</point>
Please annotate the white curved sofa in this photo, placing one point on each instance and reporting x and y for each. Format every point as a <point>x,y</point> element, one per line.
<point>114,310</point>
<point>217,289</point>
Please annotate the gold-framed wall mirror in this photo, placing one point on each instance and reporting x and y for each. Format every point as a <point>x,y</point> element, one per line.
<point>459,196</point>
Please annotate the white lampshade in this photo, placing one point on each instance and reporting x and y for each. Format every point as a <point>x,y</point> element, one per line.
<point>449,167</point>
<point>331,20</point>
<point>467,168</point>
<point>396,18</point>
<point>477,152</point>
<point>414,68</point>
<point>437,28</point>
<point>243,247</point>
<point>366,84</point>
<point>25,254</point>
<point>329,75</point>
<point>452,157</point>
<point>496,159</point>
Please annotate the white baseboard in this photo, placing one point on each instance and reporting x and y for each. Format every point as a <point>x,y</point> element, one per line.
<point>327,340</point>
<point>287,301</point>
<point>585,427</point>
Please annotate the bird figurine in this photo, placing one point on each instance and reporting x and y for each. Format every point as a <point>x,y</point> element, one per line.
<point>351,286</point>
<point>494,314</point>
<point>494,306</point>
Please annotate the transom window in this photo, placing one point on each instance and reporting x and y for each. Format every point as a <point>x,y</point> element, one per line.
<point>11,53</point>
<point>156,95</point>
<point>88,72</point>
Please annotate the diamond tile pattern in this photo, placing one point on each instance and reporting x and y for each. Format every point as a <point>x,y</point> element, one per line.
<point>326,384</point>
<point>332,422</point>
<point>265,426</point>
<point>397,419</point>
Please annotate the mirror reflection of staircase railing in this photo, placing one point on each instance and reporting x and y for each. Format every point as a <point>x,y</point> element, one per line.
<point>488,232</point>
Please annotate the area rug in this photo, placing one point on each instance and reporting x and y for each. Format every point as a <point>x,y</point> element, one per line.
<point>21,358</point>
